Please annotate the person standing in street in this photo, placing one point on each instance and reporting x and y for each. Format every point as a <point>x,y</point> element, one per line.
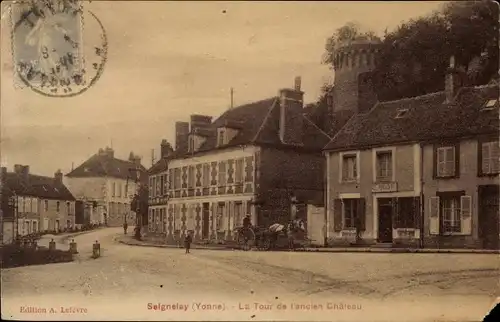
<point>125,227</point>
<point>187,242</point>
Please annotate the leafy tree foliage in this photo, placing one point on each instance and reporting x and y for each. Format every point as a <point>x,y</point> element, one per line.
<point>140,203</point>
<point>414,57</point>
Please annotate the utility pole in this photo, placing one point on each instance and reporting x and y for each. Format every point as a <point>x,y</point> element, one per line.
<point>232,96</point>
<point>153,157</point>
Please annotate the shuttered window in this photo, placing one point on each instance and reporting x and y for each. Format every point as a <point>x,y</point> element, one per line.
<point>191,177</point>
<point>490,162</point>
<point>450,208</point>
<point>222,173</point>
<point>206,175</point>
<point>350,210</point>
<point>239,171</point>
<point>177,178</point>
<point>446,161</point>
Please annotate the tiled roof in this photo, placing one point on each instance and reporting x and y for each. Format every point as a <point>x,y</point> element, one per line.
<point>37,186</point>
<point>425,118</point>
<point>258,123</point>
<point>159,167</point>
<point>105,166</point>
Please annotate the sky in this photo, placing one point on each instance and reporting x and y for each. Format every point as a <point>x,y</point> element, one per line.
<point>168,60</point>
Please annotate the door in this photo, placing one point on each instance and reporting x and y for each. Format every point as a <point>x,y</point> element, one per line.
<point>385,210</point>
<point>489,216</point>
<point>205,220</point>
<point>57,226</point>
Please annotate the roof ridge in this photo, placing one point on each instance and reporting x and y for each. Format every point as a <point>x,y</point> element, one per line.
<point>265,119</point>
<point>317,127</point>
<point>341,129</point>
<point>412,98</point>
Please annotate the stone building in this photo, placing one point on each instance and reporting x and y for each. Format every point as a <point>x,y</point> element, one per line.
<point>419,171</point>
<point>33,203</point>
<point>106,186</point>
<point>262,159</point>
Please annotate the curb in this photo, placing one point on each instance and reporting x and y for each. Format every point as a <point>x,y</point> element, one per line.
<point>173,246</point>
<point>337,250</point>
<point>71,235</point>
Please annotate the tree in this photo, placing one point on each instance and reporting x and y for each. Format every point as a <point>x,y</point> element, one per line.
<point>140,204</point>
<point>414,58</point>
<point>351,31</point>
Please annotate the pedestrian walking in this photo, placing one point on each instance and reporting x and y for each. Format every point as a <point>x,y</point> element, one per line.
<point>125,227</point>
<point>187,242</point>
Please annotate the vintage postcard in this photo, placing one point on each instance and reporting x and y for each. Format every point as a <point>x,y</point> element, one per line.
<point>249,160</point>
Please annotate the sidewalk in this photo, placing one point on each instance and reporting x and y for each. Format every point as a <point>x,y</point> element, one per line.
<point>128,240</point>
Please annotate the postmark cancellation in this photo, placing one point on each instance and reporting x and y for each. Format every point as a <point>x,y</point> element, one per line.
<point>59,47</point>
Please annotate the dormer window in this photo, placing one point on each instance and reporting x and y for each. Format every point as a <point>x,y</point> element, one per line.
<point>221,136</point>
<point>490,104</point>
<point>402,113</point>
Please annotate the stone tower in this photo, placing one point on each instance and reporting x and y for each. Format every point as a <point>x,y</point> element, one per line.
<point>354,64</point>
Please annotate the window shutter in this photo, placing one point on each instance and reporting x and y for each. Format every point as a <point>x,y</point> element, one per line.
<point>396,216</point>
<point>434,216</point>
<point>417,213</point>
<point>457,160</point>
<point>485,158</point>
<point>361,214</point>
<point>495,157</point>
<point>435,162</point>
<point>466,214</point>
<point>337,215</point>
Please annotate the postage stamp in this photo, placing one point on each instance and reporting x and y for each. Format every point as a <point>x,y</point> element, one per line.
<point>50,53</point>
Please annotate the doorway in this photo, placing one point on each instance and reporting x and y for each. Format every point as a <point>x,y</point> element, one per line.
<point>385,212</point>
<point>488,216</point>
<point>205,220</point>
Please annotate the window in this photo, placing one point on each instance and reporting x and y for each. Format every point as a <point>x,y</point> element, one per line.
<point>35,226</point>
<point>490,104</point>
<point>349,168</point>
<point>191,177</point>
<point>450,208</point>
<point>446,161</point>
<point>113,189</point>
<point>221,137</point>
<point>119,187</point>
<point>222,173</point>
<point>68,207</point>
<point>238,210</point>
<point>220,212</point>
<point>162,185</point>
<point>177,178</point>
<point>384,166</point>
<point>58,206</point>
<point>191,143</point>
<point>401,113</point>
<point>46,205</point>
<point>239,171</point>
<point>206,175</point>
<point>350,210</point>
<point>150,183</point>
<point>490,158</point>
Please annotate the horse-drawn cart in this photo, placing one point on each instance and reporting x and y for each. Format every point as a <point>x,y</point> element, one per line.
<point>276,236</point>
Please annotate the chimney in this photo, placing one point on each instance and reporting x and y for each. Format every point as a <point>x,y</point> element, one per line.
<point>291,109</point>
<point>134,158</point>
<point>453,81</point>
<point>58,176</point>
<point>165,148</point>
<point>181,136</point>
<point>3,175</point>
<point>18,168</point>
<point>25,171</point>
<point>200,122</point>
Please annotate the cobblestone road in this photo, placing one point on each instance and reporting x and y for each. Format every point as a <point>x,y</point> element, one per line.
<point>128,281</point>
